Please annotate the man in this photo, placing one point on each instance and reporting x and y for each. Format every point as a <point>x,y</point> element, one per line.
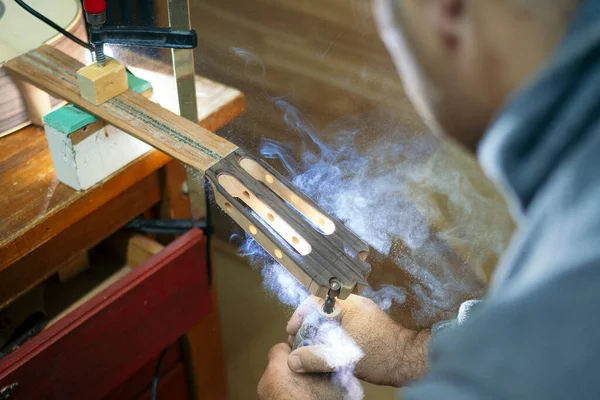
<point>517,81</point>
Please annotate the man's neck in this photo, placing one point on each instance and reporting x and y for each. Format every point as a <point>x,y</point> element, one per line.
<point>524,38</point>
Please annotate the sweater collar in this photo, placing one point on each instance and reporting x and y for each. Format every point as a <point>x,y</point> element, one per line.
<point>542,121</point>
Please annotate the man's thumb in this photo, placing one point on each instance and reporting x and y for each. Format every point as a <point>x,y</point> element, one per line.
<point>308,359</point>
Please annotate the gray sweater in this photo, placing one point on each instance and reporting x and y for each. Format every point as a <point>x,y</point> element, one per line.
<point>537,335</point>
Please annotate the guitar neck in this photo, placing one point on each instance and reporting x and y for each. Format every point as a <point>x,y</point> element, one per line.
<point>300,235</point>
<point>56,73</point>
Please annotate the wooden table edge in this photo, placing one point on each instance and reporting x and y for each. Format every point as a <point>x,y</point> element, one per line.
<point>12,248</point>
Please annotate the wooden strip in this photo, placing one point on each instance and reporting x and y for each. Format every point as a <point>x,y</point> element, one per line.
<point>55,72</point>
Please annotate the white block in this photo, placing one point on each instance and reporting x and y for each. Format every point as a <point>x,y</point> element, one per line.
<point>83,162</point>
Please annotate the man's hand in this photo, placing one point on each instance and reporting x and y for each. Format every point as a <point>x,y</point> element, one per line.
<point>280,383</point>
<point>393,355</point>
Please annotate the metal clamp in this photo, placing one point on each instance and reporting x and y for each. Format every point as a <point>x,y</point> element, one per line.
<point>144,37</point>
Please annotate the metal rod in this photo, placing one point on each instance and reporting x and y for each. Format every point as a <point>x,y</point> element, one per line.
<point>183,62</point>
<point>183,70</point>
<point>185,79</point>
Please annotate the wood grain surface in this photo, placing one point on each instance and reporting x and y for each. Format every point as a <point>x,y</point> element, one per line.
<point>99,84</point>
<point>55,72</point>
<point>39,209</point>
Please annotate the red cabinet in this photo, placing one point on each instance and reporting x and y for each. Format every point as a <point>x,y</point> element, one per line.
<point>108,345</point>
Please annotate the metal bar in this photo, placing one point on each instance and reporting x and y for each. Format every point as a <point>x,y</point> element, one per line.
<point>183,62</point>
<point>183,70</point>
<point>137,36</point>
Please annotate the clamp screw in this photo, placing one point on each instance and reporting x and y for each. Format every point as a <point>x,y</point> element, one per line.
<point>334,290</point>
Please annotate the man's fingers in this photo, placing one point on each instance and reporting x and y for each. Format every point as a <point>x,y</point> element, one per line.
<point>276,369</point>
<point>309,359</point>
<point>310,305</point>
<point>279,351</point>
<point>307,307</point>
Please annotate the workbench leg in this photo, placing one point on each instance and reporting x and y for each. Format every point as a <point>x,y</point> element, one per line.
<point>204,342</point>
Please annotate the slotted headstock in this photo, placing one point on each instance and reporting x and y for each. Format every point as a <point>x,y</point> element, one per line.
<point>300,235</point>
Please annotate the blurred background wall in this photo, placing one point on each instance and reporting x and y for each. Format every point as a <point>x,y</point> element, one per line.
<point>324,58</point>
<point>318,66</point>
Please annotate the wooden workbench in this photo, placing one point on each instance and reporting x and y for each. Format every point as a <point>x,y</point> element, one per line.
<point>43,222</point>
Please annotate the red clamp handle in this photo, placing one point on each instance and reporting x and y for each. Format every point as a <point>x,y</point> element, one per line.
<point>94,6</point>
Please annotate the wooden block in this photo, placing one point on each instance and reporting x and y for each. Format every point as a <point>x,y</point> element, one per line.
<point>100,84</point>
<point>140,248</point>
<point>75,265</point>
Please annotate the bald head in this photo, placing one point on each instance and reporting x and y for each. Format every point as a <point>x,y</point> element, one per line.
<point>461,59</point>
<point>554,11</point>
<point>541,3</point>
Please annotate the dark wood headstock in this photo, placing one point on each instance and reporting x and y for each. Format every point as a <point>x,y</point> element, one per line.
<point>299,234</point>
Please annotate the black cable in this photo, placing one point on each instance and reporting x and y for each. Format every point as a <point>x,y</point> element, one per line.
<point>157,374</point>
<point>55,26</point>
<point>166,226</point>
<point>208,232</point>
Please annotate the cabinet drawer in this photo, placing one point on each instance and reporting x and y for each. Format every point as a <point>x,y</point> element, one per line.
<point>100,344</point>
<point>140,382</point>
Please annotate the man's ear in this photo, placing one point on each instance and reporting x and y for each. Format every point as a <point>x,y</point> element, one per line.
<point>445,17</point>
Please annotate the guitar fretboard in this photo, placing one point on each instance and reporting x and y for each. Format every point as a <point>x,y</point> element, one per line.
<point>56,73</point>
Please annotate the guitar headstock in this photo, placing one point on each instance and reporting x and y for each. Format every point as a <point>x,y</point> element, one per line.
<point>313,246</point>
